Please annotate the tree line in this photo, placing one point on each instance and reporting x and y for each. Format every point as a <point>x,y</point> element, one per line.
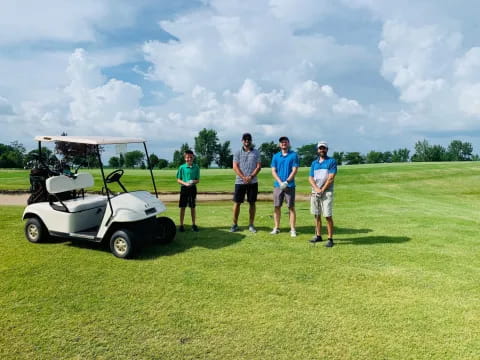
<point>210,151</point>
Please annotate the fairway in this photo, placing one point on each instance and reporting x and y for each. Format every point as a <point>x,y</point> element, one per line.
<point>401,282</point>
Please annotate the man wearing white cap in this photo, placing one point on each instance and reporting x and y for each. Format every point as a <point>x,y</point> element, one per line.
<point>322,175</point>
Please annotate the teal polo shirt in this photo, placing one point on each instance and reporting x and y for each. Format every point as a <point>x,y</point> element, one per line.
<point>187,173</point>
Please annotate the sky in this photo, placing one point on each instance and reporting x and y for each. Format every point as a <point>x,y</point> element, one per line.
<point>360,74</point>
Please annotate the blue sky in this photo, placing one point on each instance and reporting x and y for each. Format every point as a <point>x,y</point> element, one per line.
<point>361,74</point>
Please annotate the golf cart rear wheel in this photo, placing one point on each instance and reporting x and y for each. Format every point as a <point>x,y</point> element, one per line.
<point>121,244</point>
<point>166,230</point>
<point>35,231</point>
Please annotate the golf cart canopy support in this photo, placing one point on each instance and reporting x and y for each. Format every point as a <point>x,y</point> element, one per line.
<point>92,140</point>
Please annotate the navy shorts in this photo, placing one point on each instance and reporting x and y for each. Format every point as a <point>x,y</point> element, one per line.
<point>251,190</point>
<point>188,195</point>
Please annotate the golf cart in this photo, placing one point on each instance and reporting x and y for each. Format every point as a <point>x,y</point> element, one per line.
<point>60,207</point>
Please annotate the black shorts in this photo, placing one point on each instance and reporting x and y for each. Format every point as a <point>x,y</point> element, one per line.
<point>188,195</point>
<point>241,189</point>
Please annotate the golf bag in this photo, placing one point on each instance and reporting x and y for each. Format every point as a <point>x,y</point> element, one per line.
<point>38,189</point>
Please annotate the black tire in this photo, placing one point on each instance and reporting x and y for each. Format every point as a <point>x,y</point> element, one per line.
<point>35,231</point>
<point>122,244</point>
<point>166,230</point>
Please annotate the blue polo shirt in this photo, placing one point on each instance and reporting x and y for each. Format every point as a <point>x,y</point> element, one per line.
<point>284,165</point>
<point>320,170</point>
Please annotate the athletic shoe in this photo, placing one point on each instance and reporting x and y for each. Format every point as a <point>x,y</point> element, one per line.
<point>275,231</point>
<point>195,228</point>
<point>293,233</point>
<point>252,229</point>
<point>329,243</point>
<point>181,228</point>
<point>316,239</point>
<point>234,228</point>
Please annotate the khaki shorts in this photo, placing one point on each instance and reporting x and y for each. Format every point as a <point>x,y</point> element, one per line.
<point>280,195</point>
<point>322,205</point>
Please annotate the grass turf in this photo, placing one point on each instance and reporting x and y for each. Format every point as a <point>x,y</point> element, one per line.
<point>401,282</point>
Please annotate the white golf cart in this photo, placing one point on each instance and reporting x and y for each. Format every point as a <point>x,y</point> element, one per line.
<point>125,219</point>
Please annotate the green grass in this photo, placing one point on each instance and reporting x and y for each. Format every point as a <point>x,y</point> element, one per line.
<point>401,283</point>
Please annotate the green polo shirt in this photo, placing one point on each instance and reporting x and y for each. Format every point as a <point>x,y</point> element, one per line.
<point>187,173</point>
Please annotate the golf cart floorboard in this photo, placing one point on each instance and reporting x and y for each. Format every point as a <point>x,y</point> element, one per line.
<point>88,234</point>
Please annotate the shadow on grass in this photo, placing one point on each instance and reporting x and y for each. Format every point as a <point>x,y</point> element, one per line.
<point>371,240</point>
<point>336,231</point>
<point>209,238</point>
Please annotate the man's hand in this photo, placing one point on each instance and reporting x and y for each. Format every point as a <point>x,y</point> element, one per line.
<point>283,185</point>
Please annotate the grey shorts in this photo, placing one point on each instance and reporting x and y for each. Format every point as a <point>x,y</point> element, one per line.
<point>322,205</point>
<point>280,195</point>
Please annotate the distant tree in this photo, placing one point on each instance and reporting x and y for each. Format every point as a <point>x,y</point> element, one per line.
<point>352,158</point>
<point>12,156</point>
<point>142,165</point>
<point>267,150</point>
<point>178,156</point>
<point>475,157</point>
<point>206,146</point>
<point>338,156</point>
<point>401,155</point>
<point>121,160</point>
<point>114,162</point>
<point>438,153</point>
<point>422,151</point>
<point>162,163</point>
<point>225,158</point>
<point>134,158</point>
<point>374,157</point>
<point>459,151</point>
<point>307,153</point>
<point>387,157</point>
<point>153,160</point>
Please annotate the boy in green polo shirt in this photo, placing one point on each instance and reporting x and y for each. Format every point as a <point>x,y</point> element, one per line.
<point>188,175</point>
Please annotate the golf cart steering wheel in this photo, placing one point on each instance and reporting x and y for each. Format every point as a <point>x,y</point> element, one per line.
<point>114,176</point>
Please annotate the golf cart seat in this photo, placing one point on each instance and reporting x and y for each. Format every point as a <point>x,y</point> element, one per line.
<point>61,184</point>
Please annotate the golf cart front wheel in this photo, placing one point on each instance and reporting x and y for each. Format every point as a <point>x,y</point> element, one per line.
<point>35,231</point>
<point>121,244</point>
<point>166,230</point>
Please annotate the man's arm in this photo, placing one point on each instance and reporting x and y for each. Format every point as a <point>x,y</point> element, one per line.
<point>275,175</point>
<point>330,179</point>
<point>292,174</point>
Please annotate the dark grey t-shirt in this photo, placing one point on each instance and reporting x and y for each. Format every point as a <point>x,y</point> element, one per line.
<point>247,162</point>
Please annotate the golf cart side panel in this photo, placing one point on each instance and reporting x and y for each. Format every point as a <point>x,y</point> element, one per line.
<point>131,207</point>
<point>65,222</point>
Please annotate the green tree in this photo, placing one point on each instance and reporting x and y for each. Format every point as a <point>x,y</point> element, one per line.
<point>206,146</point>
<point>114,162</point>
<point>374,157</point>
<point>12,156</point>
<point>178,156</point>
<point>153,160</point>
<point>225,157</point>
<point>352,158</point>
<point>162,163</point>
<point>121,160</point>
<point>134,158</point>
<point>267,150</point>
<point>31,157</point>
<point>338,156</point>
<point>422,151</point>
<point>307,153</point>
<point>459,151</point>
<point>400,155</point>
<point>387,157</point>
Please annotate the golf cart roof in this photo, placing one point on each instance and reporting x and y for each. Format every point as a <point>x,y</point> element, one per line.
<point>93,140</point>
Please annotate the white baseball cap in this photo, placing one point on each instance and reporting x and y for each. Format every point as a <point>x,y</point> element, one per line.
<point>322,143</point>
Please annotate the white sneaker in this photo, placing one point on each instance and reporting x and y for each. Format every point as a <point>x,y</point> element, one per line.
<point>275,231</point>
<point>293,233</point>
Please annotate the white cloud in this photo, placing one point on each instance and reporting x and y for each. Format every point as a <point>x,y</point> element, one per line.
<point>5,107</point>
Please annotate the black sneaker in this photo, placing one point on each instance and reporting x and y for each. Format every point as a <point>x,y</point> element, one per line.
<point>195,228</point>
<point>234,228</point>
<point>316,239</point>
<point>329,243</point>
<point>181,228</point>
